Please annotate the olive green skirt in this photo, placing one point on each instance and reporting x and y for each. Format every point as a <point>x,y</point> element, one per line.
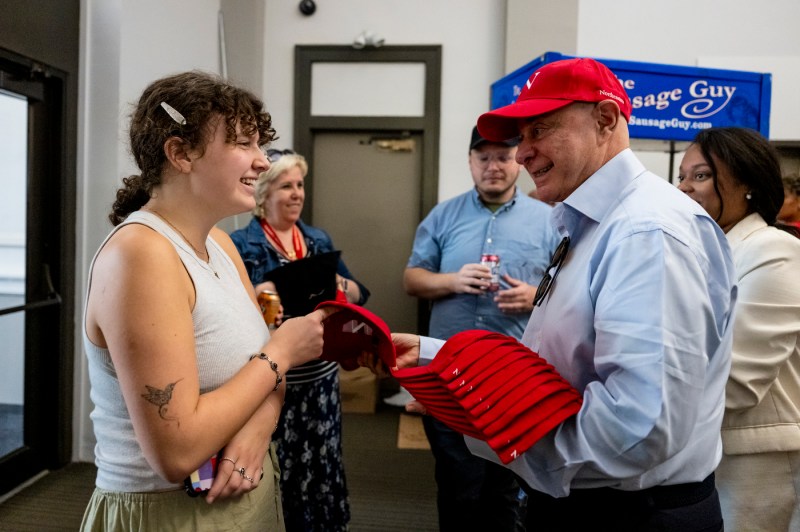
<point>257,510</point>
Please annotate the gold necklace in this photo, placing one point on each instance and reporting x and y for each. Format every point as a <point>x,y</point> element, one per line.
<point>197,251</point>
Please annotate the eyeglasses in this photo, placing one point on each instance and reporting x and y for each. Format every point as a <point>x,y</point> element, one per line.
<point>555,263</point>
<point>274,155</point>
<point>484,160</point>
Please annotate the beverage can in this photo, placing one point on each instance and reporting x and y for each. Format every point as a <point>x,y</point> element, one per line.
<point>270,304</point>
<point>492,261</point>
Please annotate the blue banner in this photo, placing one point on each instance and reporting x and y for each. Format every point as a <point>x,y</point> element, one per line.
<point>670,102</point>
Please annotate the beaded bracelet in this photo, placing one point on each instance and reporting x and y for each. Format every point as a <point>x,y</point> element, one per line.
<point>277,416</point>
<point>272,365</point>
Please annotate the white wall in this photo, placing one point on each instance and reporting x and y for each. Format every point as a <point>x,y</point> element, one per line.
<point>735,34</point>
<point>471,33</point>
<point>125,44</point>
<point>538,26</point>
<point>681,30</point>
<point>159,38</point>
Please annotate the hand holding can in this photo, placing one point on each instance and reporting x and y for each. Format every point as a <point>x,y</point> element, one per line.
<point>492,262</point>
<point>270,304</point>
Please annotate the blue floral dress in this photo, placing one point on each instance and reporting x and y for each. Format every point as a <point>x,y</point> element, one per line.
<point>309,434</point>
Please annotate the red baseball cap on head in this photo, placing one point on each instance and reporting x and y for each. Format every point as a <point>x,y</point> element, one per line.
<point>553,86</point>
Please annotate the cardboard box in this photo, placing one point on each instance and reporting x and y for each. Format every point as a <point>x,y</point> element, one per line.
<point>358,390</point>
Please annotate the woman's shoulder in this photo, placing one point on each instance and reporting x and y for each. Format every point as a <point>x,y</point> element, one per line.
<point>139,239</point>
<point>136,253</point>
<point>224,240</point>
<point>769,237</point>
<point>766,248</point>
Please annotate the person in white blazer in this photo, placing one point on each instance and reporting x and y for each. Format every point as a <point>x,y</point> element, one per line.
<point>735,175</point>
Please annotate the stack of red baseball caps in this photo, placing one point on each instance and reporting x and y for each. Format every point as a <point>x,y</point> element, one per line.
<point>482,384</point>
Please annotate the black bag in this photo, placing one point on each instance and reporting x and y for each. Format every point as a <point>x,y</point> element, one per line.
<point>303,284</point>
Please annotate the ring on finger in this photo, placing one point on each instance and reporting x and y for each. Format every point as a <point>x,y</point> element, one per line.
<point>241,471</point>
<point>225,458</point>
<point>248,478</point>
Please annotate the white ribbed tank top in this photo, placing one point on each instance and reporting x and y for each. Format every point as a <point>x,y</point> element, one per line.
<point>228,328</point>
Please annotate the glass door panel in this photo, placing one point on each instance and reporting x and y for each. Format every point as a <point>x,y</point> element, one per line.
<point>13,202</point>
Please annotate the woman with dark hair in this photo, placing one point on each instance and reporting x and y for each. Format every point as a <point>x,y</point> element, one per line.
<point>735,175</point>
<point>181,363</point>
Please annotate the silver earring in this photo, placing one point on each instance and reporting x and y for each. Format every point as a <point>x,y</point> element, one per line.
<point>749,196</point>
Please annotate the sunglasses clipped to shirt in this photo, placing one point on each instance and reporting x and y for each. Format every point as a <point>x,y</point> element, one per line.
<point>273,155</point>
<point>555,265</point>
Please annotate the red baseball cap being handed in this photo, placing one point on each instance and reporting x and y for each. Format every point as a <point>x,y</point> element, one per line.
<point>483,384</point>
<point>551,87</point>
<point>352,330</point>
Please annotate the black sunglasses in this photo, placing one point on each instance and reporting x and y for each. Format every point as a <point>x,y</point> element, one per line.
<point>274,155</point>
<point>547,281</point>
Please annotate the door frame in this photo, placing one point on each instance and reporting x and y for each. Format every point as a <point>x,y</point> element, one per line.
<point>306,125</point>
<point>49,272</point>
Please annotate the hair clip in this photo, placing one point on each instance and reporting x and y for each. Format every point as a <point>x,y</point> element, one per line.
<point>273,155</point>
<point>173,113</point>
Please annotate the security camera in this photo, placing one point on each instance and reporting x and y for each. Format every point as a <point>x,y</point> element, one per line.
<point>367,38</point>
<point>307,7</point>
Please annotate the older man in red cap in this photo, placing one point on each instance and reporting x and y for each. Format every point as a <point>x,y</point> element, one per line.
<point>634,312</point>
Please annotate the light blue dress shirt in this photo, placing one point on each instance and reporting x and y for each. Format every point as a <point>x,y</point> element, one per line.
<point>639,322</point>
<point>458,231</point>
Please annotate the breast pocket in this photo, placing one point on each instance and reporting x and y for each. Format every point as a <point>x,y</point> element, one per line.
<point>528,271</point>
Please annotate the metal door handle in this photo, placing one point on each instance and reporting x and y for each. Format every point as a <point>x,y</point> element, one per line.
<point>53,297</point>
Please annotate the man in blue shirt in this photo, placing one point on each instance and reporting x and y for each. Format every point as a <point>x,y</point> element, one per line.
<point>635,311</point>
<point>494,221</point>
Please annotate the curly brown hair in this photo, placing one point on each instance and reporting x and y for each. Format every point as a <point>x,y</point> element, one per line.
<point>199,97</point>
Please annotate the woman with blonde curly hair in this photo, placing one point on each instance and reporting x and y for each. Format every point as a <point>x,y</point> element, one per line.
<point>309,436</point>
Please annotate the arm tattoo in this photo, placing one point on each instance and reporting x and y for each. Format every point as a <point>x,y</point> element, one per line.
<point>160,398</point>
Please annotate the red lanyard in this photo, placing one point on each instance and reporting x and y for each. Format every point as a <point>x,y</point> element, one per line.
<point>296,242</point>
